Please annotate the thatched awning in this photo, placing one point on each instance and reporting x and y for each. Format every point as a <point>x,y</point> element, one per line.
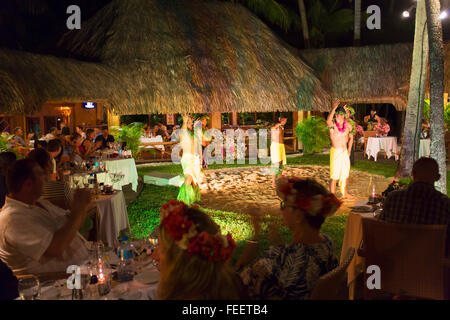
<point>28,80</point>
<point>370,74</point>
<point>195,56</point>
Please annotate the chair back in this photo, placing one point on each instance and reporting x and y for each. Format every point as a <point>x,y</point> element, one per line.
<point>331,286</point>
<point>410,258</point>
<point>367,135</point>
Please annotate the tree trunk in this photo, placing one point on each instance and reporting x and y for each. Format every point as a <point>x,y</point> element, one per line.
<point>305,30</point>
<point>411,134</point>
<point>357,29</point>
<point>437,91</point>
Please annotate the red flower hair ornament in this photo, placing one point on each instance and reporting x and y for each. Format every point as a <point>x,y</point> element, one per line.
<point>316,205</point>
<point>214,248</point>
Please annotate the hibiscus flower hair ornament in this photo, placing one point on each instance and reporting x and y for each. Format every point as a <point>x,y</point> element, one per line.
<point>319,204</point>
<point>184,233</point>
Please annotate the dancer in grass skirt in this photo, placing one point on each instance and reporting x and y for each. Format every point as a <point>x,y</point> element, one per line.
<point>191,164</point>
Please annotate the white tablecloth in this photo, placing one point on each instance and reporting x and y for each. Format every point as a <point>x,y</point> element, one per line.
<point>152,140</point>
<point>125,166</point>
<point>424,149</point>
<point>130,290</point>
<point>113,218</point>
<point>388,144</point>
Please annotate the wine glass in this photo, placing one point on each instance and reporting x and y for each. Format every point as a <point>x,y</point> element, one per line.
<point>86,181</point>
<point>28,288</point>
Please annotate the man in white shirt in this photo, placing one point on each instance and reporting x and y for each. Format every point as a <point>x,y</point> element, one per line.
<point>36,236</point>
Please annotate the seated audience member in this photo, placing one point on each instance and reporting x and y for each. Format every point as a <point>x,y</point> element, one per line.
<point>87,146</point>
<point>38,237</point>
<point>194,256</point>
<point>51,134</point>
<point>6,160</point>
<point>79,130</point>
<point>425,131</point>
<point>382,128</point>
<point>290,271</point>
<point>57,192</point>
<point>175,136</point>
<point>371,120</point>
<point>148,132</point>
<point>105,138</point>
<point>76,140</point>
<point>359,136</point>
<point>54,148</point>
<point>18,137</point>
<point>420,203</point>
<point>65,131</point>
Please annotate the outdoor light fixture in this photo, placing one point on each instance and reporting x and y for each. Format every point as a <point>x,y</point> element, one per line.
<point>405,14</point>
<point>443,15</point>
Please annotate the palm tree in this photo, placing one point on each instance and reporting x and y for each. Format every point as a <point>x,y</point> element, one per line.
<point>305,29</point>
<point>326,17</point>
<point>275,12</point>
<point>437,90</point>
<point>411,132</point>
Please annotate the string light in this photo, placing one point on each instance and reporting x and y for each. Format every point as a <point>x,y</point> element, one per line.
<point>405,14</point>
<point>443,15</point>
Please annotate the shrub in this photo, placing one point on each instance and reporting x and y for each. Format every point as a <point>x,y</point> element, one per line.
<point>314,135</point>
<point>129,134</point>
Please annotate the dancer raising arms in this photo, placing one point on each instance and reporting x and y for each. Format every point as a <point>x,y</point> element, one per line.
<point>191,164</point>
<point>277,150</point>
<point>341,147</point>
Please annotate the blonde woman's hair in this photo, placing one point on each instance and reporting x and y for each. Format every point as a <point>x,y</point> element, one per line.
<point>193,277</point>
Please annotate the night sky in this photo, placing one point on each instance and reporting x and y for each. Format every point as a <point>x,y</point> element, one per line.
<point>36,25</point>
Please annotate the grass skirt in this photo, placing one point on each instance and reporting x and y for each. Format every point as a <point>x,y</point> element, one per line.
<point>189,194</point>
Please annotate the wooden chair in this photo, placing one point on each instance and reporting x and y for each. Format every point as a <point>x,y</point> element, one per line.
<point>367,135</point>
<point>411,259</point>
<point>331,286</point>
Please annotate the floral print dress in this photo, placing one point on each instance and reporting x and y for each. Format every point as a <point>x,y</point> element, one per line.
<point>289,271</point>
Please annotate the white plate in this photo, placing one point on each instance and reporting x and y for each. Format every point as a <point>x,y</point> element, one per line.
<point>147,277</point>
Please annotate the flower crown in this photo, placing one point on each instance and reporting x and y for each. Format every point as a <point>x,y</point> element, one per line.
<point>184,233</point>
<point>318,204</point>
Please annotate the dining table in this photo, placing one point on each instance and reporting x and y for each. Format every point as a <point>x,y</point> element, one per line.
<point>126,167</point>
<point>113,217</point>
<point>143,140</point>
<point>143,286</point>
<point>424,148</point>
<point>352,239</point>
<point>377,144</point>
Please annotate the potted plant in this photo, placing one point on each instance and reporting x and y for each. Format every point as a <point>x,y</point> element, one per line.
<point>314,135</point>
<point>129,134</point>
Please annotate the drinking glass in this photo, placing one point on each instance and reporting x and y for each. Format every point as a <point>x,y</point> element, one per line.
<point>86,181</point>
<point>28,288</point>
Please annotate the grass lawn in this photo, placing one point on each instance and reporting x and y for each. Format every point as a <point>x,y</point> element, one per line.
<point>144,212</point>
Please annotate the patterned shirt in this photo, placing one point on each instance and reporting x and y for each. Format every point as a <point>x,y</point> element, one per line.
<point>289,271</point>
<point>420,203</point>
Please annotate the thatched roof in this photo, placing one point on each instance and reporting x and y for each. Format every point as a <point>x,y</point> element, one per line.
<point>370,74</point>
<point>178,56</point>
<point>28,80</point>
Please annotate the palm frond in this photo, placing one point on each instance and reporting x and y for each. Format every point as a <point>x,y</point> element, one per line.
<point>275,12</point>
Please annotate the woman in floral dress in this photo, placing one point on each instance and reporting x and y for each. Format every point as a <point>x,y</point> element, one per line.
<point>290,271</point>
